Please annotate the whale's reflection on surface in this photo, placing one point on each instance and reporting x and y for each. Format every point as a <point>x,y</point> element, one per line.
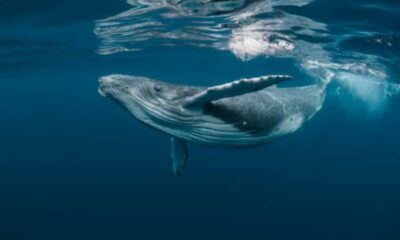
<point>219,24</point>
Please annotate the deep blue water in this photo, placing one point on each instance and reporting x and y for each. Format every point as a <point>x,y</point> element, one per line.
<point>74,165</point>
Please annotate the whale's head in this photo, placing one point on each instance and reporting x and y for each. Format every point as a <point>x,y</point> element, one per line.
<point>151,101</point>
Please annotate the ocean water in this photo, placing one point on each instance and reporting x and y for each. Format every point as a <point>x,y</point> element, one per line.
<point>74,165</point>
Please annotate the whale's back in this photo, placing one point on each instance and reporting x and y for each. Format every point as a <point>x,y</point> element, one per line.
<point>261,112</point>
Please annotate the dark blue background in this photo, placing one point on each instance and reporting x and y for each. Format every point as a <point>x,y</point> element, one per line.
<point>73,165</point>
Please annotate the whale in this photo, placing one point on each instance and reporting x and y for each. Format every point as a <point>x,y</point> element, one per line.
<point>243,113</point>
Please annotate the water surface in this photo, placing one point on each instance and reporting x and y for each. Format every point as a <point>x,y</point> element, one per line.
<point>74,165</point>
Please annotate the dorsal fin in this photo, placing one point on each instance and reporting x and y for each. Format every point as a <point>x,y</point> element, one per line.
<point>235,88</point>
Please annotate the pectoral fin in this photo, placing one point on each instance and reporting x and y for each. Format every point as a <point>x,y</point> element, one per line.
<point>235,88</point>
<point>179,155</point>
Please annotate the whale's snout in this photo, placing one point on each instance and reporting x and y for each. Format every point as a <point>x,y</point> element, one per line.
<point>116,84</point>
<point>105,83</point>
<point>109,84</point>
<point>105,80</point>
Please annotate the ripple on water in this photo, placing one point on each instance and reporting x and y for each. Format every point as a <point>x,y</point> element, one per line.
<point>253,28</point>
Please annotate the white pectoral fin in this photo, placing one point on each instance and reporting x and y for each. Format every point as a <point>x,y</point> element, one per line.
<point>179,155</point>
<point>235,88</point>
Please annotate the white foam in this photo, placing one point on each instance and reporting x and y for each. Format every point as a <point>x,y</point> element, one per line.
<point>374,92</point>
<point>366,84</point>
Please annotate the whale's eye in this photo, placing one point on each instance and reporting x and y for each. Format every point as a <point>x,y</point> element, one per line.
<point>157,88</point>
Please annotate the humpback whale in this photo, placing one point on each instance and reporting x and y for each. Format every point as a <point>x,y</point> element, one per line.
<point>242,113</point>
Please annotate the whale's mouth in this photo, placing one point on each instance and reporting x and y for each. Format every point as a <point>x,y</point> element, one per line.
<point>101,92</point>
<point>104,85</point>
